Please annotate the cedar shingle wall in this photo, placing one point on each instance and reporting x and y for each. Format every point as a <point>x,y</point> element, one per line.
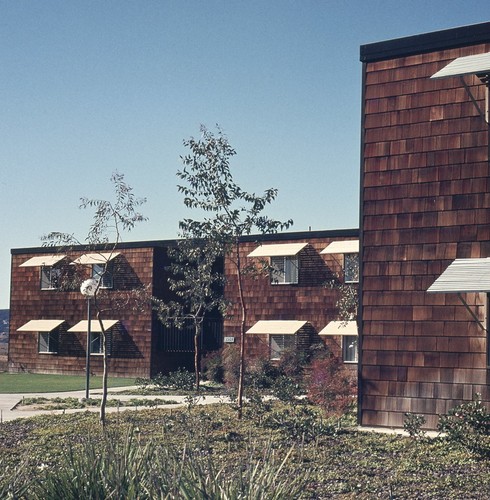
<point>426,201</point>
<point>131,340</point>
<point>309,300</point>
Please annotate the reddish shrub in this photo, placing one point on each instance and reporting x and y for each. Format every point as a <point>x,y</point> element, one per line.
<point>331,385</point>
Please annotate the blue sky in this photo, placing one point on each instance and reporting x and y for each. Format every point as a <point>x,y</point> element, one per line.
<point>90,87</point>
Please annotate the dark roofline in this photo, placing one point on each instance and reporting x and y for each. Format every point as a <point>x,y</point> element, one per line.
<point>427,42</point>
<point>335,233</point>
<point>302,235</point>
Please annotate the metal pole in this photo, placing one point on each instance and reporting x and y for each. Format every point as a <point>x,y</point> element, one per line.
<point>87,359</point>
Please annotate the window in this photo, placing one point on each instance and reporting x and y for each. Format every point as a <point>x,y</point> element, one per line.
<point>351,268</point>
<point>104,273</point>
<point>284,270</point>
<point>48,342</point>
<point>279,343</point>
<point>50,277</point>
<point>96,343</point>
<point>349,348</point>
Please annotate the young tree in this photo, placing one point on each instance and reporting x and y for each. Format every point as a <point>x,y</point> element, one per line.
<point>228,212</point>
<point>110,220</point>
<point>197,283</point>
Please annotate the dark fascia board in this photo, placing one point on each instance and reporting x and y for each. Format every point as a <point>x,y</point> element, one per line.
<point>96,248</point>
<point>427,42</point>
<point>300,235</point>
<point>303,235</point>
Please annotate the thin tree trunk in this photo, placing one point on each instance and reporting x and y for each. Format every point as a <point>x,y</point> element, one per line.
<point>103,401</point>
<point>241,376</point>
<point>197,352</point>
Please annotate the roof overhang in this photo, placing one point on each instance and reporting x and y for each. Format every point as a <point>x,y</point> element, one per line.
<point>347,246</point>
<point>41,325</point>
<point>96,258</point>
<point>43,260</point>
<point>82,326</point>
<point>278,250</point>
<point>277,327</point>
<point>478,64</point>
<point>464,276</point>
<point>340,328</point>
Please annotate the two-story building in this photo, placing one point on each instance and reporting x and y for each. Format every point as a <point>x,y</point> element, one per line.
<point>290,305</point>
<point>425,203</point>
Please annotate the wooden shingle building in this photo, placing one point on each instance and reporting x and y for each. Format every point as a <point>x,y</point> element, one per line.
<point>425,203</point>
<point>291,305</point>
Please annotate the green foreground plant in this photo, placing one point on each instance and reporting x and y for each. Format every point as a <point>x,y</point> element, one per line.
<point>291,451</point>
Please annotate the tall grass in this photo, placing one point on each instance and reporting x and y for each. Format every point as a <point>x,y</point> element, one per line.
<point>124,468</point>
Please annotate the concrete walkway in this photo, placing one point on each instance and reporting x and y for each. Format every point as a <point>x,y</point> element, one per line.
<point>10,407</point>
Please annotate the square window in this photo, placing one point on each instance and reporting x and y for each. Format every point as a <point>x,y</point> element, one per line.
<point>285,270</point>
<point>349,348</point>
<point>351,268</point>
<point>104,273</point>
<point>48,342</point>
<point>50,277</point>
<point>279,343</point>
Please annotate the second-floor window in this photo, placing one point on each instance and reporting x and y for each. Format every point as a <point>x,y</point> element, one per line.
<point>50,277</point>
<point>284,270</point>
<point>104,273</point>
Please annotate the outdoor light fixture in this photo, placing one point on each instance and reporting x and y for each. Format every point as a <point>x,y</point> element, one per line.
<point>88,289</point>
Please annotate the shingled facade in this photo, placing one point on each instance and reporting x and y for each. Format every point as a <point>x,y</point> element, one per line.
<point>425,201</point>
<point>48,323</point>
<point>293,304</point>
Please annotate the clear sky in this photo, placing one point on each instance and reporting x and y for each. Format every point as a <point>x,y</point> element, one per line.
<point>89,87</point>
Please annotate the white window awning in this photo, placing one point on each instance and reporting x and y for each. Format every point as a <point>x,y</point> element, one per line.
<point>96,258</point>
<point>43,260</point>
<point>347,246</point>
<point>278,250</point>
<point>41,325</point>
<point>340,328</point>
<point>277,327</point>
<point>468,65</point>
<point>464,276</point>
<point>82,326</point>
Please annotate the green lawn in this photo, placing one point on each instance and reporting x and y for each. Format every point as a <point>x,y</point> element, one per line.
<point>11,383</point>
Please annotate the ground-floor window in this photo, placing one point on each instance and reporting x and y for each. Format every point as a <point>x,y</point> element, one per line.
<point>279,343</point>
<point>48,342</point>
<point>349,348</point>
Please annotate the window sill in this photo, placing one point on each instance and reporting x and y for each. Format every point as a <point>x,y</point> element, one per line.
<point>47,352</point>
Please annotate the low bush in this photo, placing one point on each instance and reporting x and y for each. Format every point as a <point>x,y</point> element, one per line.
<point>179,380</point>
<point>331,385</point>
<point>212,367</point>
<point>468,425</point>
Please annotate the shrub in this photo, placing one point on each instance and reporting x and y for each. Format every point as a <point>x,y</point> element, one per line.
<point>261,373</point>
<point>331,385</point>
<point>292,362</point>
<point>412,423</point>
<point>212,367</point>
<point>180,380</point>
<point>231,365</point>
<point>286,389</point>
<point>298,422</point>
<point>469,425</point>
